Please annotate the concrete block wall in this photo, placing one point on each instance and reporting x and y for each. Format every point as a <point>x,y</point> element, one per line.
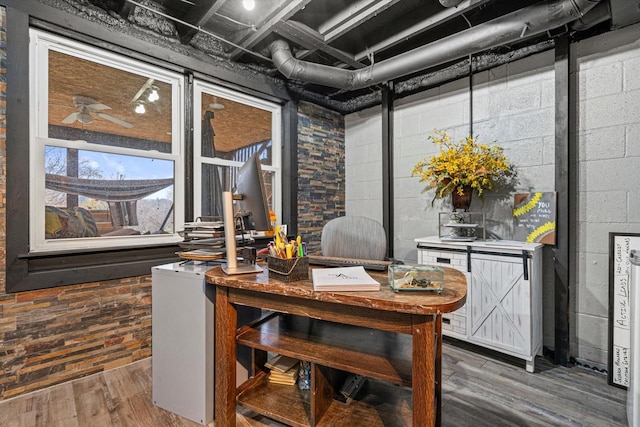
<point>415,117</point>
<point>514,105</point>
<point>363,163</point>
<point>608,136</point>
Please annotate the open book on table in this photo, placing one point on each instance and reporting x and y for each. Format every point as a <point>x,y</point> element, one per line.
<point>343,279</point>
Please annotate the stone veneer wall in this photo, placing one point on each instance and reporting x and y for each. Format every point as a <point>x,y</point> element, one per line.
<point>54,335</point>
<point>321,170</point>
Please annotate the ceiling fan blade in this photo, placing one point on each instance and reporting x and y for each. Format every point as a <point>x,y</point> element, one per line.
<point>98,106</point>
<point>114,120</point>
<point>71,118</point>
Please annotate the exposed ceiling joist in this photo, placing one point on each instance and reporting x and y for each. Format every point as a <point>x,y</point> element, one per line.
<point>353,16</point>
<point>420,27</point>
<point>197,16</point>
<point>312,40</point>
<point>278,14</point>
<point>509,28</point>
<point>125,10</point>
<point>345,36</point>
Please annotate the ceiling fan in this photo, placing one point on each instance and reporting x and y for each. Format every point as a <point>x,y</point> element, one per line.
<point>89,106</point>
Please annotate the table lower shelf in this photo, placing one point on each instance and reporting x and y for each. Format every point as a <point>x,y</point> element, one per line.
<point>379,404</point>
<point>371,353</point>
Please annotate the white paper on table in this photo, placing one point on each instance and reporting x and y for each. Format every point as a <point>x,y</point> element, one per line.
<point>343,279</point>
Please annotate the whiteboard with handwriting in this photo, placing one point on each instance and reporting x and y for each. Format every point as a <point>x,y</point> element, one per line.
<point>620,245</point>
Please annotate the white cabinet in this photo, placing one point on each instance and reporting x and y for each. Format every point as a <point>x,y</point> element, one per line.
<point>503,311</point>
<point>182,325</point>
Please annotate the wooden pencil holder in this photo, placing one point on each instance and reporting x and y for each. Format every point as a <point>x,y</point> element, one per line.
<point>288,269</point>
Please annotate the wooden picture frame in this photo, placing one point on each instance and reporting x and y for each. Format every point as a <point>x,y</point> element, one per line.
<point>619,357</point>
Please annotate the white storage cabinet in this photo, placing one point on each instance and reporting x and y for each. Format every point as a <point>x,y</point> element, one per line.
<point>503,311</point>
<point>182,338</point>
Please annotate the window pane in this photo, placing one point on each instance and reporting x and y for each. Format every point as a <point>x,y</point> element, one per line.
<point>91,194</point>
<point>234,131</point>
<point>98,103</point>
<point>216,179</point>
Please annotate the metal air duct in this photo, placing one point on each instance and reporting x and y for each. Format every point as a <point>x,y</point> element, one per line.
<point>509,28</point>
<point>596,15</point>
<point>450,3</point>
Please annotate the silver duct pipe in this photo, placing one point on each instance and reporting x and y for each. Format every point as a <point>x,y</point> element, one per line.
<point>598,14</point>
<point>450,3</point>
<point>509,28</point>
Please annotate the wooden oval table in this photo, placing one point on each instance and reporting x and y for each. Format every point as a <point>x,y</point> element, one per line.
<point>391,338</point>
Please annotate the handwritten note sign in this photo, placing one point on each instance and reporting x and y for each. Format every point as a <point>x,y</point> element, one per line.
<point>620,308</point>
<point>534,216</point>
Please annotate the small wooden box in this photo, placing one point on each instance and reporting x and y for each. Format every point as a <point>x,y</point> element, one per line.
<point>289,269</point>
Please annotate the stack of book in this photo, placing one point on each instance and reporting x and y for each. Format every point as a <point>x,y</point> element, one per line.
<point>203,230</point>
<point>209,235</point>
<point>284,370</point>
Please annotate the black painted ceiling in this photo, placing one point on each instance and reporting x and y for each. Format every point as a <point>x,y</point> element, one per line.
<point>340,33</point>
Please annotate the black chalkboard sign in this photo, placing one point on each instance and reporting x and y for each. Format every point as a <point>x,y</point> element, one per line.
<point>534,216</point>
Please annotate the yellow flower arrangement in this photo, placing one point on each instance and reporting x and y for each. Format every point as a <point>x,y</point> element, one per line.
<point>463,163</point>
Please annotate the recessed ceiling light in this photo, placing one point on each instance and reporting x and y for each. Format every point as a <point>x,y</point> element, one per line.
<point>249,4</point>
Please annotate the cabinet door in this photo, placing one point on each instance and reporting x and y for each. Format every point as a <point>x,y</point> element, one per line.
<point>499,304</point>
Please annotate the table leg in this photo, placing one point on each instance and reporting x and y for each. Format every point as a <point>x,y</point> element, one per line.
<point>424,371</point>
<point>438,369</point>
<point>225,357</point>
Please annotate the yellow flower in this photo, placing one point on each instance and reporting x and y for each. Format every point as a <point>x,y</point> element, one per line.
<point>463,163</point>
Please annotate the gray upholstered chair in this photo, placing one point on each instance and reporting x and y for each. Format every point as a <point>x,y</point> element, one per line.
<point>354,237</point>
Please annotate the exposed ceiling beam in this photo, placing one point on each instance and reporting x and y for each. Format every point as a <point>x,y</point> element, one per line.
<point>351,17</point>
<point>312,40</point>
<point>125,10</point>
<point>363,10</point>
<point>281,12</point>
<point>535,20</point>
<point>198,15</point>
<point>424,25</point>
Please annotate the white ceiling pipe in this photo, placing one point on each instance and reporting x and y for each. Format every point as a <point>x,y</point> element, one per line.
<point>532,20</point>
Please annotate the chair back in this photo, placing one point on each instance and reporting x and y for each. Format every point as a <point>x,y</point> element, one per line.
<point>354,237</point>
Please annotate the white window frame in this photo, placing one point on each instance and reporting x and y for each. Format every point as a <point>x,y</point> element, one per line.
<point>200,88</point>
<point>40,44</point>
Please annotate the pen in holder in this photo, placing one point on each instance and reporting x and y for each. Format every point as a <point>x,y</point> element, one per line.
<point>288,269</point>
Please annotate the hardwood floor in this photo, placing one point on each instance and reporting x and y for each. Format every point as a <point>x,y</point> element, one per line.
<point>478,390</point>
